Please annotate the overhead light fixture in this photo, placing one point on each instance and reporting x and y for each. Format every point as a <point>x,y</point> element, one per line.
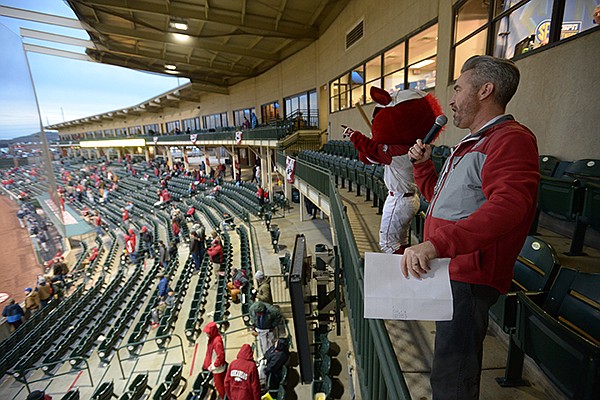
<point>181,37</point>
<point>178,24</point>
<point>422,64</point>
<point>170,66</point>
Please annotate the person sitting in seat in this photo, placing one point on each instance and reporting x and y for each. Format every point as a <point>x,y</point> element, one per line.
<point>237,285</point>
<point>159,310</point>
<point>227,222</point>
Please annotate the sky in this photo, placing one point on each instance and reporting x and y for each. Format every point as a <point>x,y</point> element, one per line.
<point>66,89</point>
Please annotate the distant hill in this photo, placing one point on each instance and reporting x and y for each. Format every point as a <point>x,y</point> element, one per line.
<point>51,136</point>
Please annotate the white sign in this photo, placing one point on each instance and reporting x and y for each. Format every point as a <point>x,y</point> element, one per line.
<point>389,295</point>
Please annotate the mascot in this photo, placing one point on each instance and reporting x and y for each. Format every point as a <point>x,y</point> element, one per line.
<point>398,121</point>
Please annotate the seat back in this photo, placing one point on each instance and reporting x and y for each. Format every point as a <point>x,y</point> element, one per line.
<point>560,198</point>
<point>163,392</point>
<point>139,385</point>
<point>104,392</point>
<point>71,395</point>
<point>548,165</point>
<point>574,300</point>
<point>591,206</point>
<point>174,375</point>
<point>536,267</point>
<point>586,169</point>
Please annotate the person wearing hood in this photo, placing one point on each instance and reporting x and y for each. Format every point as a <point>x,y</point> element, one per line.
<point>32,300</point>
<point>263,293</point>
<point>277,356</point>
<point>147,240</point>
<point>242,381</point>
<point>214,360</point>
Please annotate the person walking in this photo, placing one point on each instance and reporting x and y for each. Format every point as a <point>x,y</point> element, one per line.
<point>242,381</point>
<point>14,314</point>
<point>214,360</point>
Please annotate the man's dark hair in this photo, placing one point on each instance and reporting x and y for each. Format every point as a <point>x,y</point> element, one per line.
<point>503,73</point>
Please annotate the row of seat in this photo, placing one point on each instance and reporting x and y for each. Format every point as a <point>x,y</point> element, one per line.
<point>195,318</point>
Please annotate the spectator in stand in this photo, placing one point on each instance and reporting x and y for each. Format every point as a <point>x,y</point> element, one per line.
<point>257,175</point>
<point>14,314</point>
<point>265,318</point>
<point>242,381</point>
<point>147,240</point>
<point>176,214</point>
<point>260,193</point>
<point>32,300</point>
<point>44,292</point>
<point>227,222</point>
<point>214,360</point>
<point>277,356</point>
<point>159,310</point>
<point>176,230</point>
<point>215,251</point>
<point>94,254</point>
<point>130,248</point>
<point>124,215</point>
<point>129,206</point>
<point>173,250</point>
<point>38,395</point>
<point>60,269</point>
<point>163,286</point>
<point>21,217</point>
<point>237,284</point>
<point>246,124</point>
<point>263,292</point>
<point>197,250</point>
<point>163,254</point>
<point>97,222</point>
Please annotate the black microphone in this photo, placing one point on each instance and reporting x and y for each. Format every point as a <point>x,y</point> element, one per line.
<point>439,123</point>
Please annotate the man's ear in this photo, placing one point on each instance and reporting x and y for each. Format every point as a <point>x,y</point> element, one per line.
<point>486,90</point>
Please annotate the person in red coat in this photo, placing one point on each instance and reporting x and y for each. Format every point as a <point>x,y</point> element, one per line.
<point>214,361</point>
<point>242,381</point>
<point>176,230</point>
<point>125,215</point>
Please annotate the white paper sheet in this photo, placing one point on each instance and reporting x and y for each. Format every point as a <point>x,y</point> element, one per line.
<point>389,295</point>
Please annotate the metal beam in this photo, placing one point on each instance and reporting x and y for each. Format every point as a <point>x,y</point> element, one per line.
<point>253,24</point>
<point>39,17</point>
<point>192,43</point>
<point>53,37</point>
<point>56,52</point>
<point>179,60</point>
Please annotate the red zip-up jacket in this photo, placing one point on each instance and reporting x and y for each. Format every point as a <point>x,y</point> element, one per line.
<point>483,204</point>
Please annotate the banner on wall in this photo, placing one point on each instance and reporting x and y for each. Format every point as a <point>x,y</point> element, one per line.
<point>155,139</point>
<point>193,138</point>
<point>238,137</point>
<point>290,169</point>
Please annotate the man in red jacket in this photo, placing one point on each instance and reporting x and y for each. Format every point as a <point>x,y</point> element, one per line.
<point>481,208</point>
<point>214,361</point>
<point>242,381</point>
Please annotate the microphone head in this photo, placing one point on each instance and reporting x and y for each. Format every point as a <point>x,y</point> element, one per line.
<point>441,120</point>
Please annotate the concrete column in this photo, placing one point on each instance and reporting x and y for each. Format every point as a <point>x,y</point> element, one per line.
<point>269,172</point>
<point>120,153</point>
<point>302,207</point>
<point>98,155</point>
<point>169,157</point>
<point>147,154</point>
<point>186,165</point>
<point>107,154</point>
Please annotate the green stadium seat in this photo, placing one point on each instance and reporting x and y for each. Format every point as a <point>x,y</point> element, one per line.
<point>534,272</point>
<point>562,336</point>
<point>548,165</point>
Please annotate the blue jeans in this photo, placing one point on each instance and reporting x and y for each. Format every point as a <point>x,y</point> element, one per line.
<point>197,258</point>
<point>148,246</point>
<point>456,369</point>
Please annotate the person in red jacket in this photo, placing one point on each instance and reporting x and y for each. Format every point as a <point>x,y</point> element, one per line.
<point>214,360</point>
<point>176,230</point>
<point>215,251</point>
<point>125,215</point>
<point>481,208</point>
<point>242,381</point>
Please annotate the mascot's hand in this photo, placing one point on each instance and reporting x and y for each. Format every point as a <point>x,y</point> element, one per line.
<point>347,131</point>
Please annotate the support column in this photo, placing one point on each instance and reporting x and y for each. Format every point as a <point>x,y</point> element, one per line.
<point>120,153</point>
<point>98,155</point>
<point>269,173</point>
<point>302,207</point>
<point>147,154</point>
<point>186,164</point>
<point>107,153</point>
<point>169,157</point>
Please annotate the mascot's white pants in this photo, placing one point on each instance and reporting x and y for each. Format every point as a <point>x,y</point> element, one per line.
<point>398,213</point>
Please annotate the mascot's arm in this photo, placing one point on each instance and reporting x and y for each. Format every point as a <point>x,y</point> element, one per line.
<point>376,152</point>
<point>426,178</point>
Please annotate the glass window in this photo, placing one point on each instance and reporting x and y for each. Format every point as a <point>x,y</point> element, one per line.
<point>422,74</point>
<point>376,83</point>
<point>423,45</point>
<point>394,81</point>
<point>523,29</point>
<point>468,48</point>
<point>394,59</point>
<point>470,16</point>
<point>151,129</point>
<point>373,69</point>
<point>269,111</point>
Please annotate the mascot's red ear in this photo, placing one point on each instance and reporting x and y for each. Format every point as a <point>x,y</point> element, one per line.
<point>380,96</point>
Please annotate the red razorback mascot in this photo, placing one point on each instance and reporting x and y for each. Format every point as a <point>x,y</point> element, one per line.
<point>398,121</point>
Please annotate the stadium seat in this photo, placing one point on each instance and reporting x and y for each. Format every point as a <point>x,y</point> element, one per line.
<point>71,395</point>
<point>548,165</point>
<point>104,392</point>
<point>534,272</point>
<point>562,336</point>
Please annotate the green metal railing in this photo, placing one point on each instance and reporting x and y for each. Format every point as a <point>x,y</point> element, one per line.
<point>379,372</point>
